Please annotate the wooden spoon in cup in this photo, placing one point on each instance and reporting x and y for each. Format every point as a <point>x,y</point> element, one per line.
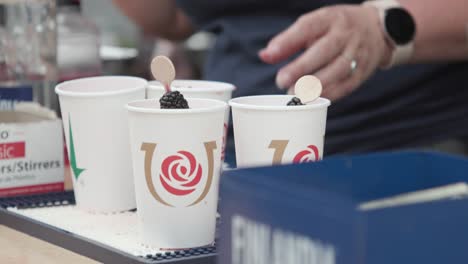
<point>308,88</point>
<point>163,71</point>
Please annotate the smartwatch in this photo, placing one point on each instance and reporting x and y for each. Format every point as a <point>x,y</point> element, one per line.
<point>399,29</point>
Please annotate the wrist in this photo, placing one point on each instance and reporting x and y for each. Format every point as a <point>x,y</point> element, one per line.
<point>386,48</point>
<point>399,29</point>
<point>387,53</point>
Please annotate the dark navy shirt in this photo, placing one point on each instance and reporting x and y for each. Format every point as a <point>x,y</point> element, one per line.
<point>407,106</point>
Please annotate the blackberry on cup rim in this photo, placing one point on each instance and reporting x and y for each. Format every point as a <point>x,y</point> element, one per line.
<point>295,101</point>
<point>173,100</point>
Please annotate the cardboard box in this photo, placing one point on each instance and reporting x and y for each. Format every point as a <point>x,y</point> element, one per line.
<point>312,213</point>
<point>31,151</point>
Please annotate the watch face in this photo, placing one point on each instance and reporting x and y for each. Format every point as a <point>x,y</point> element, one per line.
<point>400,25</point>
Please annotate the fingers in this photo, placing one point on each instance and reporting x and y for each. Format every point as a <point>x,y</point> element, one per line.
<point>330,40</point>
<point>343,87</point>
<point>340,89</point>
<point>340,68</point>
<point>301,34</point>
<point>317,56</point>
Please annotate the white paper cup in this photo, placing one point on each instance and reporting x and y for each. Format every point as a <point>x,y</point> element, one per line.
<point>176,162</point>
<point>268,132</point>
<point>96,129</point>
<point>197,89</point>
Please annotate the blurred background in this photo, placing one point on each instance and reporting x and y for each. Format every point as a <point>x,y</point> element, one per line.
<point>49,41</point>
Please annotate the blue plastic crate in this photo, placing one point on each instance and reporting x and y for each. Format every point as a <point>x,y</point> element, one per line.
<point>308,213</point>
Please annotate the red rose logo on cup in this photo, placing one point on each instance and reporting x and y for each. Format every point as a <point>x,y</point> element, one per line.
<point>180,173</point>
<point>308,155</point>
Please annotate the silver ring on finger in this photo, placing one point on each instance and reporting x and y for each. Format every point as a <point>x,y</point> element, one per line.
<point>353,64</point>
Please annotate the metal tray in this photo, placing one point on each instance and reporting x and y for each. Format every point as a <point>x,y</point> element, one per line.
<point>82,245</point>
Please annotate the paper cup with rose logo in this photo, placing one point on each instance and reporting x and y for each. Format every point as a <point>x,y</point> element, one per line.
<point>176,162</point>
<point>268,132</point>
<point>197,89</point>
<point>96,129</point>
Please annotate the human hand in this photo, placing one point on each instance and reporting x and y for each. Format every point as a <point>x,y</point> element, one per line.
<point>333,40</point>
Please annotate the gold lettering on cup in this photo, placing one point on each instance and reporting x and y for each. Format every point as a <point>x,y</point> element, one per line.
<point>279,147</point>
<point>209,148</point>
<point>149,148</point>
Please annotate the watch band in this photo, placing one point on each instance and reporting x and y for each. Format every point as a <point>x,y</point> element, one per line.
<point>401,53</point>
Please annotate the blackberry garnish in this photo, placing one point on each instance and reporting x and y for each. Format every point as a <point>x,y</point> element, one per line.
<point>295,101</point>
<point>173,100</point>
